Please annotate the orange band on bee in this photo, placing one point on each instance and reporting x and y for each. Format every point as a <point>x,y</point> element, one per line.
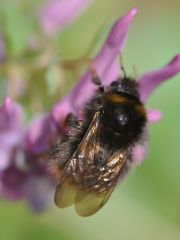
<point>140,110</point>
<point>115,98</point>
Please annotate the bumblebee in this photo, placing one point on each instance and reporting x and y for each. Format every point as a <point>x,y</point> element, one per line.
<point>97,151</point>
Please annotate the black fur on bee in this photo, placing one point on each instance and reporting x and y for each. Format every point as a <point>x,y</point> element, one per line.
<point>97,151</point>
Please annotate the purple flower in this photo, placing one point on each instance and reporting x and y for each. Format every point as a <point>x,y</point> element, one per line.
<point>38,191</point>
<point>11,129</point>
<point>151,80</point>
<point>21,153</point>
<point>24,165</point>
<point>12,179</point>
<point>23,169</point>
<point>106,67</point>
<point>11,133</point>
<point>40,133</point>
<point>55,15</point>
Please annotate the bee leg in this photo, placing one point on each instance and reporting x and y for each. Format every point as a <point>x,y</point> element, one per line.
<point>71,120</point>
<point>97,81</point>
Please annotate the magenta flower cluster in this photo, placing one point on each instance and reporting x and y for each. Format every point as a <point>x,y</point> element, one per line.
<point>23,168</point>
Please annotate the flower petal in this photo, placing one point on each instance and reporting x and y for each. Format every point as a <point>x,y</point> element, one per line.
<point>57,14</point>
<point>11,130</point>
<point>154,115</point>
<point>38,192</point>
<point>150,81</point>
<point>106,67</point>
<point>40,134</point>
<point>11,181</point>
<point>11,116</point>
<point>139,153</point>
<point>5,159</point>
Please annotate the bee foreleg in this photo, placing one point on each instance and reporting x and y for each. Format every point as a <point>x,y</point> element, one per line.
<point>71,120</point>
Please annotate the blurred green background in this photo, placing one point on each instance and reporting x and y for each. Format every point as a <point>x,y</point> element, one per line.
<point>146,205</point>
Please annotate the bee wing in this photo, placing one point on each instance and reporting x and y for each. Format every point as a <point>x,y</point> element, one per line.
<point>65,194</point>
<point>88,203</point>
<point>72,174</point>
<point>82,173</point>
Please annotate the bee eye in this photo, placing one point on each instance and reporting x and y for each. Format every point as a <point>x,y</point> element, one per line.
<point>122,119</point>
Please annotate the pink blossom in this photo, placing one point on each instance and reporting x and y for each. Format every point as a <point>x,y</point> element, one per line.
<point>55,15</point>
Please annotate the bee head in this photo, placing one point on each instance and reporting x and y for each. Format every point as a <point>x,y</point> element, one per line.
<point>125,86</point>
<point>124,121</point>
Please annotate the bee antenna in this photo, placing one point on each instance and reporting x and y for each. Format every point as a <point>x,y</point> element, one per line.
<point>95,78</point>
<point>122,67</point>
